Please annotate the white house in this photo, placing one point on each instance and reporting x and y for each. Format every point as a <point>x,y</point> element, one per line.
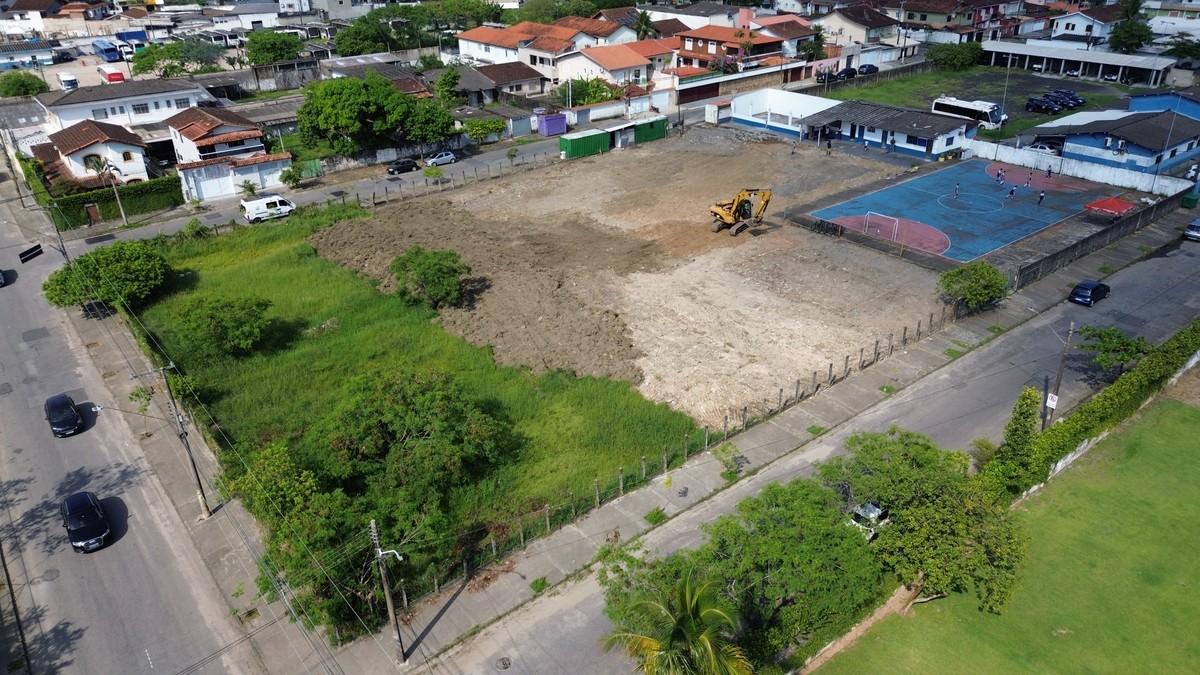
<point>24,17</point>
<point>615,63</point>
<point>129,103</point>
<point>251,16</point>
<point>540,45</point>
<point>1087,27</point>
<point>70,152</point>
<point>219,150</point>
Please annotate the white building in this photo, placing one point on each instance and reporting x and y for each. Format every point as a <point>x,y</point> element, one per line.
<point>250,16</point>
<point>130,103</point>
<point>219,150</point>
<point>70,152</point>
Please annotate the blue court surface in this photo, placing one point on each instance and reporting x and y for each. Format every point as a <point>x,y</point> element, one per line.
<point>982,218</point>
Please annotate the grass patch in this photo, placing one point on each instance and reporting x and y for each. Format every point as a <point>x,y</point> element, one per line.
<point>330,324</point>
<point>996,330</point>
<point>1107,269</point>
<point>1107,583</point>
<point>964,344</point>
<point>300,150</point>
<point>656,516</point>
<point>888,389</point>
<point>816,430</point>
<point>1145,250</point>
<point>538,585</point>
<point>954,353</point>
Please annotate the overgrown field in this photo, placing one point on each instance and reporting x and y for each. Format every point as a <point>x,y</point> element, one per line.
<point>1109,580</point>
<point>329,325</point>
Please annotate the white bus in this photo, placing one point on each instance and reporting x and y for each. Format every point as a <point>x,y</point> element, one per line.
<point>989,115</point>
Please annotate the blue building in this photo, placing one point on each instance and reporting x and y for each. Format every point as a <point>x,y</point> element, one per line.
<point>26,54</point>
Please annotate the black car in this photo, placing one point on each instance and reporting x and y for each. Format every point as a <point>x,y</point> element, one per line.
<point>1088,292</point>
<point>85,521</point>
<point>826,76</point>
<point>402,166</point>
<point>1041,105</point>
<point>1061,100</point>
<point>1079,100</point>
<point>868,69</point>
<point>60,412</point>
<point>846,73</point>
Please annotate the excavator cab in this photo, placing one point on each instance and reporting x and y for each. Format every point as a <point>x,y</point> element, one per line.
<point>740,213</point>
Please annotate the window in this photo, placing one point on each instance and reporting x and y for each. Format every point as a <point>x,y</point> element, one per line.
<point>141,109</point>
<point>121,108</point>
<point>235,144</point>
<point>687,43</point>
<point>533,60</point>
<point>113,111</point>
<point>156,105</point>
<point>712,48</point>
<point>92,160</point>
<point>99,114</point>
<point>127,156</point>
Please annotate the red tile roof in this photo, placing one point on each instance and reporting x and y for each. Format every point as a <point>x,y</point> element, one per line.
<point>593,27</point>
<point>195,123</point>
<point>236,161</point>
<point>615,57</point>
<point>89,132</point>
<point>650,48</point>
<point>227,137</point>
<point>494,36</point>
<point>551,45</point>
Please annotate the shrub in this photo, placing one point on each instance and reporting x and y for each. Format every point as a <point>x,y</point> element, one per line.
<point>152,195</point>
<point>292,176</point>
<point>975,285</point>
<point>539,584</point>
<point>656,516</point>
<point>430,277</point>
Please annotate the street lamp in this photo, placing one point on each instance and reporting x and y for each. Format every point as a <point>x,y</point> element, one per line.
<point>903,34</point>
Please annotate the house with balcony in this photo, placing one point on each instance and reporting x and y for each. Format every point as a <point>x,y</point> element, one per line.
<point>701,47</point>
<point>219,150</point>
<point>617,64</point>
<point>860,24</point>
<point>790,28</point>
<point>539,45</point>
<point>661,55</point>
<point>73,152</point>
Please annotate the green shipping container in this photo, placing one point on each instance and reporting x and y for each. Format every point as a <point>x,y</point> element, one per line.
<point>583,143</point>
<point>650,130</point>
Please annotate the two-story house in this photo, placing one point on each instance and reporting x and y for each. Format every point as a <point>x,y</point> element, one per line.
<point>1087,27</point>
<point>219,150</point>
<point>513,78</point>
<point>77,151</point>
<point>613,63</point>
<point>23,18</point>
<point>860,24</point>
<point>539,45</point>
<point>130,103</point>
<point>706,45</point>
<point>790,28</point>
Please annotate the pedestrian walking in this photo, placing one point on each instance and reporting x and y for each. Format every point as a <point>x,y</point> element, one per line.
<point>893,143</point>
<point>1041,196</point>
<point>1029,181</point>
<point>956,190</point>
<point>999,175</point>
<point>1002,173</point>
<point>1049,172</point>
<point>793,147</point>
<point>1012,193</point>
<point>828,148</point>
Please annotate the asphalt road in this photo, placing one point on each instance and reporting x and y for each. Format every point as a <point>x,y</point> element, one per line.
<point>967,399</point>
<point>142,604</point>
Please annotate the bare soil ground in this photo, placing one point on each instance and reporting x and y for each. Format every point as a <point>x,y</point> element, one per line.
<point>606,266</point>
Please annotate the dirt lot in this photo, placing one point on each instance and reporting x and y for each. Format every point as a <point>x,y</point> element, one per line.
<point>606,266</point>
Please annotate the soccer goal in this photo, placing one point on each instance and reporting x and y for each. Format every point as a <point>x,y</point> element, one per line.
<point>884,227</point>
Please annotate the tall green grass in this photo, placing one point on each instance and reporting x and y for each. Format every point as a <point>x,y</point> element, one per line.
<point>329,324</point>
<point>1110,584</point>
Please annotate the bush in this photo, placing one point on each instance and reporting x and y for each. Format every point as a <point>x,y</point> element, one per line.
<point>656,516</point>
<point>430,277</point>
<point>974,285</point>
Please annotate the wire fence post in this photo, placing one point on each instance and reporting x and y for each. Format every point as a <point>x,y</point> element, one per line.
<point>918,330</point>
<point>664,459</point>
<point>596,485</point>
<point>930,324</point>
<point>875,359</point>
<point>547,519</point>
<point>571,496</point>
<point>797,390</point>
<point>814,384</point>
<point>643,467</point>
<point>745,409</point>
<point>705,436</point>
<point>403,595</point>
<point>726,434</point>
<point>831,373</point>
<point>620,481</point>
<point>904,338</point>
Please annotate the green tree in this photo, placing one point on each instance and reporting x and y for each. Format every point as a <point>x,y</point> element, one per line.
<point>430,277</point>
<point>125,272</point>
<point>18,83</point>
<point>445,89</point>
<point>1133,31</point>
<point>177,58</point>
<point>585,92</point>
<point>480,130</point>
<point>1112,348</point>
<point>428,122</point>
<point>352,114</point>
<point>465,13</point>
<point>210,328</point>
<point>975,285</point>
<point>545,11</point>
<point>692,634</point>
<point>814,49</point>
<point>1017,464</point>
<point>1183,46</point>
<point>960,56</point>
<point>267,46</point>
<point>643,25</point>
<point>293,176</point>
<point>367,35</point>
<point>947,533</point>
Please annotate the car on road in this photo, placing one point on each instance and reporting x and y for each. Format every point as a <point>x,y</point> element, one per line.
<point>441,158</point>
<point>868,69</point>
<point>1088,292</point>
<point>1041,105</point>
<point>265,206</point>
<point>402,166</point>
<point>84,519</point>
<point>1044,148</point>
<point>846,74</point>
<point>60,412</point>
<point>1192,231</point>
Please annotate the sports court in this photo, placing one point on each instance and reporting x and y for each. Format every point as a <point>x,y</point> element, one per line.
<point>928,212</point>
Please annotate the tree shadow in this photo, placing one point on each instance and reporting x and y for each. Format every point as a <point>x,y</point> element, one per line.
<point>40,525</point>
<point>94,309</point>
<point>279,335</point>
<point>50,651</point>
<point>471,290</point>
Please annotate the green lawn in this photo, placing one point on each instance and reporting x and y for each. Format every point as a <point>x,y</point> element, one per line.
<point>331,324</point>
<point>300,150</point>
<point>1111,581</point>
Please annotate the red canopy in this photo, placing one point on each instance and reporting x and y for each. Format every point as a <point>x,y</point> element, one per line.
<point>1110,205</point>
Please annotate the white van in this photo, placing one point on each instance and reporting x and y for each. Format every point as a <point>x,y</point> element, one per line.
<point>264,206</point>
<point>68,81</point>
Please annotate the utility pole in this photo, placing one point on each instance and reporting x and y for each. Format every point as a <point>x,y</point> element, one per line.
<point>205,512</point>
<point>381,558</point>
<point>1062,364</point>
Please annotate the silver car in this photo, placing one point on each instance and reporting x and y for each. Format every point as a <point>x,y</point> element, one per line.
<point>441,158</point>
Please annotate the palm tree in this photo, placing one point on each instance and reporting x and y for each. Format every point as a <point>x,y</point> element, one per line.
<point>105,170</point>
<point>643,25</point>
<point>691,633</point>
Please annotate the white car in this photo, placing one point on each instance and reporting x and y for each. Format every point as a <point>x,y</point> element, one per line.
<point>441,158</point>
<point>1043,148</point>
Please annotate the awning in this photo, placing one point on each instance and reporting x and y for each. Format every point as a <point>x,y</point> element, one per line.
<point>1110,205</point>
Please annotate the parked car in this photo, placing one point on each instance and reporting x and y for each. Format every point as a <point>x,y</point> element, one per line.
<point>1192,231</point>
<point>826,76</point>
<point>441,158</point>
<point>1045,148</point>
<point>1072,72</point>
<point>868,69</point>
<point>402,166</point>
<point>846,74</point>
<point>1079,100</point>
<point>60,412</point>
<point>1041,105</point>
<point>1088,292</point>
<point>1038,67</point>
<point>1062,101</point>
<point>264,206</point>
<point>86,524</point>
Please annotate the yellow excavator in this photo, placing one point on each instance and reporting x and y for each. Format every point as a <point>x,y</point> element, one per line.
<point>740,213</point>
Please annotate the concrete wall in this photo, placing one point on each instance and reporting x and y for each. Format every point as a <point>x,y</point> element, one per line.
<point>1109,175</point>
